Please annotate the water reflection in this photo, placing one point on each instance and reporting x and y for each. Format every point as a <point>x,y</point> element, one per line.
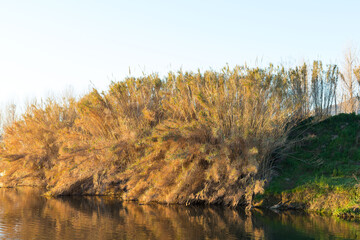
<point>24,214</point>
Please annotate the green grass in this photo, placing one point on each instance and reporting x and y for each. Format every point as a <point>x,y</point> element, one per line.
<point>320,160</point>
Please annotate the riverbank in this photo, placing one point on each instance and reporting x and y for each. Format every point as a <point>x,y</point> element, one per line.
<point>186,138</point>
<point>211,137</point>
<point>320,169</point>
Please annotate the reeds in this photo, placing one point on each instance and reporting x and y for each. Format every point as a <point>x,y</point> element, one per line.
<point>190,137</point>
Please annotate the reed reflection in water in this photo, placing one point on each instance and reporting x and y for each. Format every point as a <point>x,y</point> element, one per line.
<point>25,214</point>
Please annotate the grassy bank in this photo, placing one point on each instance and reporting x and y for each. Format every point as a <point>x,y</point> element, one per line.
<point>320,169</point>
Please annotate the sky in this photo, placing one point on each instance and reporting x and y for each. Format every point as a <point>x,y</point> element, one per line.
<point>49,46</point>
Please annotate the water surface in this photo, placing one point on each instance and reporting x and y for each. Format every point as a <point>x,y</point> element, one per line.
<point>25,214</point>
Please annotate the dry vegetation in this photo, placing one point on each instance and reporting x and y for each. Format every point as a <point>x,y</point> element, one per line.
<point>187,138</point>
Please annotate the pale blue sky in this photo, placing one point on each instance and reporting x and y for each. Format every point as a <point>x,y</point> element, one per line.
<point>48,45</point>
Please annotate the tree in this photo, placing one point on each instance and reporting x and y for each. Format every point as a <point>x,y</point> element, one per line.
<point>317,87</point>
<point>348,78</point>
<point>10,115</point>
<point>357,74</point>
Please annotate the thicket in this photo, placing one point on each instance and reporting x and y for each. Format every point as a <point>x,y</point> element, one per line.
<point>188,137</point>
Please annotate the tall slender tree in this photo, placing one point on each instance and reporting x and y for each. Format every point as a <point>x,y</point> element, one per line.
<point>350,88</point>
<point>357,74</point>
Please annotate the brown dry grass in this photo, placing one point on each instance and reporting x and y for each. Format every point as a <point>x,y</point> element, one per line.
<point>190,137</point>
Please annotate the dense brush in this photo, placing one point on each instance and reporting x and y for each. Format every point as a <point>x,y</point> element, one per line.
<point>190,137</point>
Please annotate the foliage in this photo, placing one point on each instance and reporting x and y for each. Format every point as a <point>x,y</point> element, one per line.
<point>190,137</point>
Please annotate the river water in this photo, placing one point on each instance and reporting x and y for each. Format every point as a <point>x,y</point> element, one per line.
<point>25,214</point>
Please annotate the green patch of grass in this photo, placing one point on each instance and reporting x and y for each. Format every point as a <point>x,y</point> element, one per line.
<point>325,157</point>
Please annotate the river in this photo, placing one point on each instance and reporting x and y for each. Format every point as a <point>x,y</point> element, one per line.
<point>25,214</point>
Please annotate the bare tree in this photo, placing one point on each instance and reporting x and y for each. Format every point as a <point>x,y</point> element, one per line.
<point>357,74</point>
<point>330,84</point>
<point>323,88</point>
<point>317,88</point>
<point>350,91</point>
<point>10,115</point>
